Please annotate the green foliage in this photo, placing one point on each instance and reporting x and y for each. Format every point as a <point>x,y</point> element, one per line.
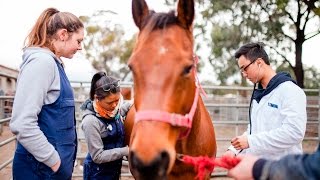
<point>105,45</point>
<point>128,45</point>
<point>316,11</point>
<point>312,79</point>
<point>280,24</point>
<point>225,27</point>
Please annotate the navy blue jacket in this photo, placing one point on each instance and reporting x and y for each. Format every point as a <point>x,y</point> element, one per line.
<point>297,167</point>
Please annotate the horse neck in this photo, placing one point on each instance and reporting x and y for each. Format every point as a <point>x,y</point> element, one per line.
<point>198,116</point>
<point>196,121</point>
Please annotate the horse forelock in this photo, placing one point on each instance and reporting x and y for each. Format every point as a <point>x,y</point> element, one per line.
<point>162,20</point>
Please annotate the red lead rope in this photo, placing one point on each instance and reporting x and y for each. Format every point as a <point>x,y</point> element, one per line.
<point>206,165</point>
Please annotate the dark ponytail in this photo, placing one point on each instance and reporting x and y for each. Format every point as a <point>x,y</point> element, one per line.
<point>98,80</point>
<point>94,80</point>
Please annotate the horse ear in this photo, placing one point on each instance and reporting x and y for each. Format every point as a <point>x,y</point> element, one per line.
<point>186,12</point>
<point>140,11</point>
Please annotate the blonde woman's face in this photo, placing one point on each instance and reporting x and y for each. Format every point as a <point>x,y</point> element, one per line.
<point>70,45</point>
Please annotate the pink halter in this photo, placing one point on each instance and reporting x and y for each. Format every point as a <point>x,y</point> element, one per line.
<point>173,118</point>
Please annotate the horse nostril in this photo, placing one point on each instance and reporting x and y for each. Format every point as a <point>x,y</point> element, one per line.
<point>134,160</point>
<point>164,163</point>
<point>156,168</point>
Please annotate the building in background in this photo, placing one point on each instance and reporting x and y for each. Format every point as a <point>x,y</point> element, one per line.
<point>8,80</point>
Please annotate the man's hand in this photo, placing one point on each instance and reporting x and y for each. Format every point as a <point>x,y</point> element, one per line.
<point>240,142</point>
<point>229,153</point>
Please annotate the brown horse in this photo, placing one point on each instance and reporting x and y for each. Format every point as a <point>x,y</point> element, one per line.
<point>126,93</point>
<point>164,74</point>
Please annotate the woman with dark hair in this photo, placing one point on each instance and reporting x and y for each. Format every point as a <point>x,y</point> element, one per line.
<point>102,124</point>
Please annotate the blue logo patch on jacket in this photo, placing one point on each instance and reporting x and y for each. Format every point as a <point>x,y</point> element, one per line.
<point>273,105</point>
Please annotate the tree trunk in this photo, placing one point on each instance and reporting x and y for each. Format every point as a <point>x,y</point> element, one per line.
<point>298,70</point>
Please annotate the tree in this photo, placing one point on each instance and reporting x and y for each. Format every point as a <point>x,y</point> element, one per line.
<point>105,45</point>
<point>281,24</point>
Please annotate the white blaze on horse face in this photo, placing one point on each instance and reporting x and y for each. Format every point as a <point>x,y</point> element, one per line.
<point>162,50</point>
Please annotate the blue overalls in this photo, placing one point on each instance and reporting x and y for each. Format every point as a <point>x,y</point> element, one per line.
<point>57,122</point>
<point>114,139</point>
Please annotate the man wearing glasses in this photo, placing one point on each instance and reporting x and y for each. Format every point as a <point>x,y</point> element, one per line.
<point>277,112</point>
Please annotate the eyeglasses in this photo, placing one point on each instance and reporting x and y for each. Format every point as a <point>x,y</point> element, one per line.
<point>244,69</point>
<point>109,86</point>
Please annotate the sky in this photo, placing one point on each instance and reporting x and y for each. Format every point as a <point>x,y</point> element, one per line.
<point>18,17</point>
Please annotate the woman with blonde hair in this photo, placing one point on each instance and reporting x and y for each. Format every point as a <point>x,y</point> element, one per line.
<point>43,111</point>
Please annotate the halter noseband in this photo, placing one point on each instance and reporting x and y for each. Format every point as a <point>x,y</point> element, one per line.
<point>174,119</point>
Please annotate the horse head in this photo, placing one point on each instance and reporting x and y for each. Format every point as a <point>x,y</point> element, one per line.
<point>165,91</point>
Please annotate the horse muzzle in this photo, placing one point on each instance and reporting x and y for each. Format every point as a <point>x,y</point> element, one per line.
<point>156,169</point>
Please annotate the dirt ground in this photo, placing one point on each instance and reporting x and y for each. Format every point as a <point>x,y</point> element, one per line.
<point>7,151</point>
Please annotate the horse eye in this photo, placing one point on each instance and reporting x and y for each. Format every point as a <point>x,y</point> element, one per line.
<point>187,69</point>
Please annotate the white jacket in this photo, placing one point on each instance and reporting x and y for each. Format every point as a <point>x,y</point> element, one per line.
<point>278,122</point>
